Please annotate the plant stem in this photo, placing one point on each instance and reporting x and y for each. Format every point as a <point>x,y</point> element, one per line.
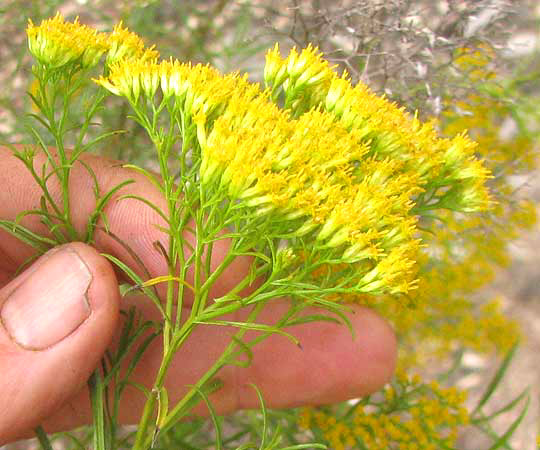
<point>43,438</point>
<point>144,439</point>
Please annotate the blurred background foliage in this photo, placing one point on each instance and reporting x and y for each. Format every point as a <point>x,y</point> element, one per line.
<point>467,64</point>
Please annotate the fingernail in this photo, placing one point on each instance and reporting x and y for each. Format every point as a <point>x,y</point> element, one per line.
<point>51,303</point>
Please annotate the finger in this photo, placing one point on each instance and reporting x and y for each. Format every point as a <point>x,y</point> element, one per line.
<point>132,226</point>
<point>57,318</point>
<point>330,366</point>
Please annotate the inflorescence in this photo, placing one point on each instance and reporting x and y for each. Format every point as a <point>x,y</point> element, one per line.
<point>56,43</point>
<point>336,165</point>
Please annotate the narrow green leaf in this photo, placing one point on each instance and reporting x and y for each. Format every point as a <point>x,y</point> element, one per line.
<point>139,353</point>
<point>312,318</point>
<point>92,175</point>
<point>264,414</point>
<point>97,140</point>
<point>492,386</point>
<point>215,418</point>
<point>147,203</point>
<point>508,407</point>
<point>147,174</point>
<point>137,280</point>
<point>100,206</point>
<point>246,350</point>
<point>36,241</point>
<point>254,327</point>
<point>512,428</point>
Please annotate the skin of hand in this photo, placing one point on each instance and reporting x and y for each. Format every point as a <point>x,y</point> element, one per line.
<point>59,315</point>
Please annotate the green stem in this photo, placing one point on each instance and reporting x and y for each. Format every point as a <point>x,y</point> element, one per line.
<point>199,300</point>
<point>43,438</point>
<point>142,435</point>
<point>96,387</point>
<point>143,439</point>
<point>218,272</point>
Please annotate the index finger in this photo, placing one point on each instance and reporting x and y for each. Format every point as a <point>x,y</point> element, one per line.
<point>132,226</point>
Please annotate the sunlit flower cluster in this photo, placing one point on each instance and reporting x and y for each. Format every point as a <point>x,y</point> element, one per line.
<point>312,168</point>
<point>412,415</point>
<point>448,169</point>
<point>130,78</point>
<point>56,42</point>
<point>349,169</point>
<point>126,45</point>
<point>193,89</point>
<point>305,69</point>
<point>310,172</point>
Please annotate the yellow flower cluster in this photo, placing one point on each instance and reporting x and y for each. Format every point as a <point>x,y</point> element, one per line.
<point>412,415</point>
<point>310,170</point>
<point>301,69</point>
<point>126,45</point>
<point>466,251</point>
<point>350,169</point>
<point>195,89</point>
<point>447,167</point>
<point>56,43</point>
<point>474,62</point>
<point>313,167</point>
<point>130,78</point>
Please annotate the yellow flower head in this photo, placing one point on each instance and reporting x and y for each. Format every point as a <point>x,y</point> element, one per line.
<point>125,78</point>
<point>124,44</point>
<point>274,70</point>
<point>307,67</point>
<point>56,42</point>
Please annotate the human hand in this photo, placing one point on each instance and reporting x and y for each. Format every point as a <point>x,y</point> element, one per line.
<point>59,316</point>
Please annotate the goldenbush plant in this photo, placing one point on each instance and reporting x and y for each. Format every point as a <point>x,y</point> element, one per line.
<point>338,194</point>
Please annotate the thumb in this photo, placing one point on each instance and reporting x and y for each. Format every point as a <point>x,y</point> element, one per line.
<point>57,319</point>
